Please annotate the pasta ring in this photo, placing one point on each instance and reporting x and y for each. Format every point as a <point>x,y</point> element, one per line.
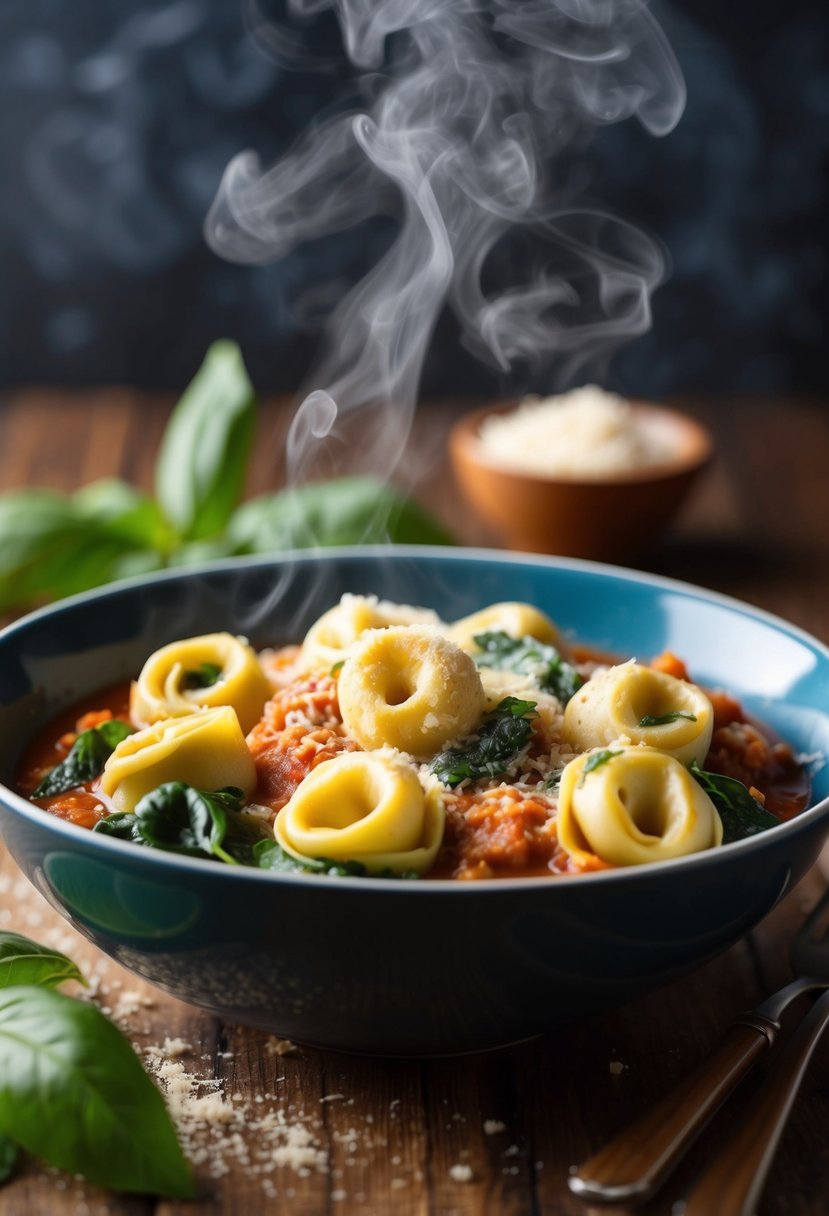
<point>410,688</point>
<point>367,807</point>
<point>205,749</point>
<point>329,639</point>
<point>636,806</point>
<point>517,619</point>
<point>162,689</point>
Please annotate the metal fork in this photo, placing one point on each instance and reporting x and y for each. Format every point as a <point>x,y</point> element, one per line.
<point>636,1162</point>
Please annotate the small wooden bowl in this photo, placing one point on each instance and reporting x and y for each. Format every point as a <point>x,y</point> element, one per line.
<point>605,519</point>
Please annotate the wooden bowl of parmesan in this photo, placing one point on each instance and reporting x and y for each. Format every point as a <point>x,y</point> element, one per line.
<point>584,474</point>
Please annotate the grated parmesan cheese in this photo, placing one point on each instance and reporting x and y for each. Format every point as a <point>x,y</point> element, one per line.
<point>585,433</point>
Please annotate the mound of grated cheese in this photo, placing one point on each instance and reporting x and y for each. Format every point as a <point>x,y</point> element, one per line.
<point>586,433</point>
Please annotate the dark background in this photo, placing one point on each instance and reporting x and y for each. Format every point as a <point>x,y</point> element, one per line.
<point>117,121</point>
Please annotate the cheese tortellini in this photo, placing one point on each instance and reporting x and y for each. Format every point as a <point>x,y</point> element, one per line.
<point>363,806</point>
<point>205,749</point>
<point>329,639</point>
<point>201,673</point>
<point>641,705</point>
<point>512,617</point>
<point>632,805</point>
<point>410,688</point>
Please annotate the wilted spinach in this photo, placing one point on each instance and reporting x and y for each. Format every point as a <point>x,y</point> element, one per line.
<point>86,760</point>
<point>671,716</point>
<point>596,760</point>
<point>177,818</point>
<point>504,733</point>
<point>529,657</point>
<point>741,814</point>
<point>269,855</point>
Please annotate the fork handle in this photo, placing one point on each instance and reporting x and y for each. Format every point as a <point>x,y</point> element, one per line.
<point>633,1165</point>
<point>732,1184</point>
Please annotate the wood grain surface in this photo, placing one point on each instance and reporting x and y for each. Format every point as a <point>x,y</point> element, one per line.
<point>318,1134</point>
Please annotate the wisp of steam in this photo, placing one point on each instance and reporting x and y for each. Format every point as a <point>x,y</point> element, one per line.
<point>471,104</point>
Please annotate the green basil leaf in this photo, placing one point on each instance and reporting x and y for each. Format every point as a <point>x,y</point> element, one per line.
<point>126,512</point>
<point>23,961</point>
<point>502,736</point>
<point>202,462</point>
<point>542,663</point>
<point>46,549</point>
<point>673,715</point>
<point>741,814</point>
<point>345,511</point>
<point>73,1093</point>
<point>204,676</point>
<point>8,1157</point>
<point>86,760</point>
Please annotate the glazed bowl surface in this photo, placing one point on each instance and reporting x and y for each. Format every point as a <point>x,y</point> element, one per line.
<point>407,968</point>
<point>609,517</point>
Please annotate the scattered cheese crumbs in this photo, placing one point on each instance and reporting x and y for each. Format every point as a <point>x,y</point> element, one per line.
<point>279,1047</point>
<point>616,1067</point>
<point>170,1049</point>
<point>336,1098</point>
<point>493,1126</point>
<point>586,432</point>
<point>461,1173</point>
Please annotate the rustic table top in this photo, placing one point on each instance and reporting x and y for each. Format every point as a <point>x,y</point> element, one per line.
<point>308,1132</point>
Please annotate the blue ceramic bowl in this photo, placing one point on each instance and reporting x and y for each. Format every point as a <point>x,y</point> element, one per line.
<point>407,968</point>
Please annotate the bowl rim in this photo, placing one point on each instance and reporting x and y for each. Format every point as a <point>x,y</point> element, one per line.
<point>204,866</point>
<point>465,444</point>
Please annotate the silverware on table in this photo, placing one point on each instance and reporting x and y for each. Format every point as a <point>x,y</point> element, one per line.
<point>636,1162</point>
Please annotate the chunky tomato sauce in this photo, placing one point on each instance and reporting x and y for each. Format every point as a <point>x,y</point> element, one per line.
<point>507,830</point>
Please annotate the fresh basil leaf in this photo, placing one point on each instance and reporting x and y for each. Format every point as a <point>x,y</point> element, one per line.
<point>596,760</point>
<point>542,663</point>
<point>204,676</point>
<point>73,1093</point>
<point>86,760</point>
<point>125,512</point>
<point>46,549</point>
<point>741,814</point>
<point>673,715</point>
<point>23,961</point>
<point>201,465</point>
<point>345,511</point>
<point>180,819</point>
<point>503,735</point>
<point>9,1153</point>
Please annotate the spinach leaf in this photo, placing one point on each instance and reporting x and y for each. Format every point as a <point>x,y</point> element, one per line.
<point>502,736</point>
<point>8,1157</point>
<point>269,855</point>
<point>205,676</point>
<point>26,962</point>
<point>596,760</point>
<point>541,662</point>
<point>345,511</point>
<point>180,819</point>
<point>201,466</point>
<point>74,1093</point>
<point>673,715</point>
<point>86,760</point>
<point>741,814</point>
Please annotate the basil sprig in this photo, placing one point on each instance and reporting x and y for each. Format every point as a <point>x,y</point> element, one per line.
<point>741,814</point>
<point>505,732</point>
<point>541,662</point>
<point>73,1092</point>
<point>177,818</point>
<point>54,544</point>
<point>86,760</point>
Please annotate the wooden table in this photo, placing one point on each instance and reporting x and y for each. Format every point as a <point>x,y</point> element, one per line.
<point>492,1133</point>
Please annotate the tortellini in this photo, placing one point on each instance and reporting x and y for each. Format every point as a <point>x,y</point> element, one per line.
<point>410,688</point>
<point>201,673</point>
<point>632,805</point>
<point>512,617</point>
<point>641,705</point>
<point>205,749</point>
<point>363,806</point>
<point>328,640</point>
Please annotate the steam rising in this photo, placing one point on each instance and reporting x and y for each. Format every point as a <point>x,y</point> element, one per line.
<point>472,103</point>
